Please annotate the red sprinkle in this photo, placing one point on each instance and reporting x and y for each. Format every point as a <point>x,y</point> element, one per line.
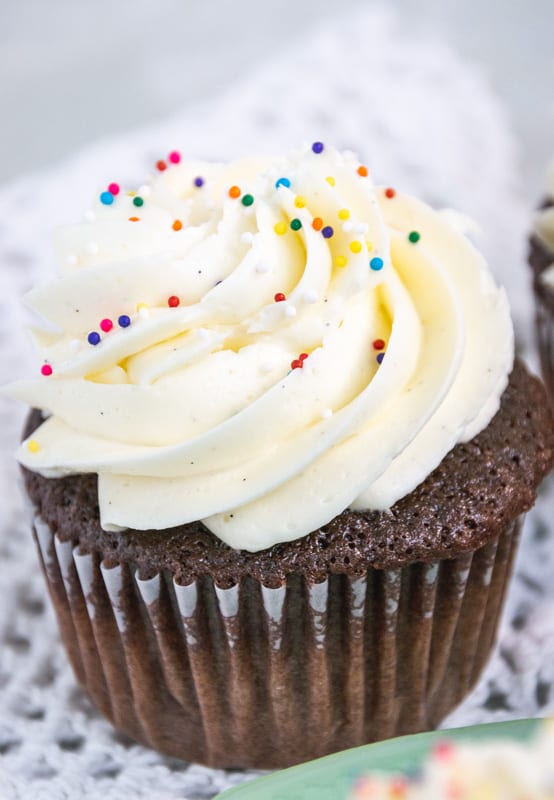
<point>46,369</point>
<point>390,193</point>
<point>279,297</point>
<point>362,171</point>
<point>161,165</point>
<point>378,344</point>
<point>113,188</point>
<point>173,301</point>
<point>296,364</point>
<point>303,356</point>
<point>106,325</point>
<point>317,223</point>
<point>174,157</point>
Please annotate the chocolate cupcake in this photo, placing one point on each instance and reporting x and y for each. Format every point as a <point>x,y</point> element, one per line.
<point>541,258</point>
<point>279,492</point>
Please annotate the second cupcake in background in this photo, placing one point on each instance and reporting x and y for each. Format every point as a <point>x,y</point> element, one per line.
<point>279,493</point>
<point>541,258</point>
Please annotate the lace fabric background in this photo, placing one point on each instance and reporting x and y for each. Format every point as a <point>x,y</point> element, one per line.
<point>422,120</point>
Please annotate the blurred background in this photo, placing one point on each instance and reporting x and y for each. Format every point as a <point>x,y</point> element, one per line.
<point>75,71</point>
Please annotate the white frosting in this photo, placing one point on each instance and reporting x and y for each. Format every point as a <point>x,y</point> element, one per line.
<point>193,412</point>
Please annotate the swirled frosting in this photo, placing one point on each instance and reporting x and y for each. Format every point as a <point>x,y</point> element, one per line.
<point>287,340</point>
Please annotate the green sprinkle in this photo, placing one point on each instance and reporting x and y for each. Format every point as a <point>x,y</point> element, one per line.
<point>247,200</point>
<point>138,201</point>
<point>414,237</point>
<point>295,224</point>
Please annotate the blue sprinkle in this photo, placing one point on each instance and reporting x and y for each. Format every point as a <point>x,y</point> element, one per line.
<point>380,358</point>
<point>282,182</point>
<point>376,263</point>
<point>327,231</point>
<point>199,181</point>
<point>94,338</point>
<point>124,321</point>
<point>317,147</point>
<point>106,198</point>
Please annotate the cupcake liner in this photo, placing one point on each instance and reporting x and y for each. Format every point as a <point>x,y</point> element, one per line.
<point>253,676</point>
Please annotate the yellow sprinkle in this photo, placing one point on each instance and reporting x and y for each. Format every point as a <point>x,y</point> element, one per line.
<point>356,246</point>
<point>280,228</point>
<point>341,261</point>
<point>131,194</point>
<point>33,446</point>
<point>344,213</point>
<point>300,201</point>
<point>140,306</point>
<point>369,245</point>
<point>330,180</point>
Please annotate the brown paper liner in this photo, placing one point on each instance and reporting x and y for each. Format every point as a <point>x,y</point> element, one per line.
<point>251,676</point>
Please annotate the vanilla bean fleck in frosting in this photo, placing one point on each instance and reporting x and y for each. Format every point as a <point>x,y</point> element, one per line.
<point>261,345</point>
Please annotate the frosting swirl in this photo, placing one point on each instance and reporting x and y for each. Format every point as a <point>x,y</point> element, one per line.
<point>275,340</point>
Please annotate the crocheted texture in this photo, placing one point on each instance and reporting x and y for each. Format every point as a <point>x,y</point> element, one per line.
<point>421,120</point>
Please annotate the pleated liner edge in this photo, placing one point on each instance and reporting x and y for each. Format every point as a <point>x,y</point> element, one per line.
<point>259,677</point>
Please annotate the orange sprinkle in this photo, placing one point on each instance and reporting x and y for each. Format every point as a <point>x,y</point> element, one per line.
<point>362,171</point>
<point>317,223</point>
<point>177,225</point>
<point>234,192</point>
<point>134,219</point>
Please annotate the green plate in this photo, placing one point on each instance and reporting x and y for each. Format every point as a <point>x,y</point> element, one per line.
<point>332,777</point>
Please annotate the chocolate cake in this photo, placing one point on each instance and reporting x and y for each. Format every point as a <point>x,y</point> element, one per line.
<point>540,258</point>
<point>373,626</point>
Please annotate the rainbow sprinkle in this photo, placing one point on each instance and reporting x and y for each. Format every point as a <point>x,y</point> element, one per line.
<point>376,263</point>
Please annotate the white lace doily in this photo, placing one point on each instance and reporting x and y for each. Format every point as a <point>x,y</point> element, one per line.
<point>421,120</point>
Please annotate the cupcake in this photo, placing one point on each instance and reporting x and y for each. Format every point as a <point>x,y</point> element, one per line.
<point>287,451</point>
<point>541,258</point>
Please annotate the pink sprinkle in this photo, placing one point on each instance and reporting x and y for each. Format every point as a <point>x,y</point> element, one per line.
<point>46,369</point>
<point>113,188</point>
<point>106,325</point>
<point>174,157</point>
<point>443,750</point>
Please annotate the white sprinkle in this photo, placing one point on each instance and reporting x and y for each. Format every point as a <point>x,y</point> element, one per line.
<point>348,226</point>
<point>361,227</point>
<point>327,413</point>
<point>92,248</point>
<point>144,191</point>
<point>266,367</point>
<point>290,311</point>
<point>262,267</point>
<point>247,237</point>
<point>90,216</point>
<point>75,344</point>
<point>144,313</point>
<point>310,296</point>
<point>72,260</point>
